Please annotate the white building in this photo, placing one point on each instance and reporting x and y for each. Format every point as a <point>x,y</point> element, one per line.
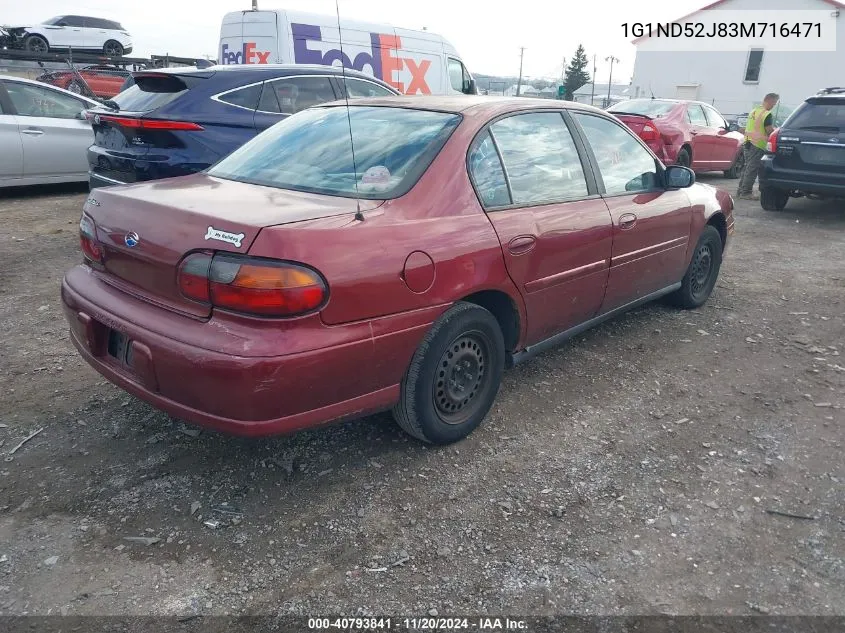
<point>736,81</point>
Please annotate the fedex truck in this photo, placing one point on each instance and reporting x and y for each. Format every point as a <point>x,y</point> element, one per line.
<point>413,62</point>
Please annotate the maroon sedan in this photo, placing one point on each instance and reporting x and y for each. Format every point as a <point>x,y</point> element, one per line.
<point>292,285</point>
<point>688,133</point>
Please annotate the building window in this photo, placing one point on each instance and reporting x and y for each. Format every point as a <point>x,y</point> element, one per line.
<point>753,65</point>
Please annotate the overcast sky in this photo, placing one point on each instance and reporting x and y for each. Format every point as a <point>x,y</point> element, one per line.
<point>487,39</point>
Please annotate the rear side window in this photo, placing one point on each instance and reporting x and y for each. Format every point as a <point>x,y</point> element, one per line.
<point>696,115</point>
<point>243,97</point>
<point>290,95</point>
<point>36,101</point>
<point>540,158</point>
<point>151,92</point>
<point>714,118</point>
<point>822,115</point>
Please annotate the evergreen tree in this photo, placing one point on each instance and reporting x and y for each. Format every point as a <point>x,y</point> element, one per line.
<point>576,75</point>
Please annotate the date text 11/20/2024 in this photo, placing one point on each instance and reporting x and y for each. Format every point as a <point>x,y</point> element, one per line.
<point>417,624</point>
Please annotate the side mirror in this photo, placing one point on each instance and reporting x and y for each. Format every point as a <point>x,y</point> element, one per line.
<point>469,87</point>
<point>678,177</point>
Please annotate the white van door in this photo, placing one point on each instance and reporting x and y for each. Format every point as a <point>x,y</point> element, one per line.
<point>250,37</point>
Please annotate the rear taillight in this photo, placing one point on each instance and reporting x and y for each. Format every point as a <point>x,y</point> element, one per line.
<point>251,285</point>
<point>143,124</point>
<point>649,133</point>
<point>772,145</point>
<point>91,247</point>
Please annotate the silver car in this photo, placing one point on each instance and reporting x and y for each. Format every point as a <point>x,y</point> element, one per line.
<point>44,135</point>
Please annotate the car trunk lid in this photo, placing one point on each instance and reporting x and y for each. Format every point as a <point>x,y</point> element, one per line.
<point>146,229</point>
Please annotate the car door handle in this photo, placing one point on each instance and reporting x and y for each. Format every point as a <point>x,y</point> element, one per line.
<point>627,221</point>
<point>522,244</point>
<point>31,131</point>
<point>693,133</point>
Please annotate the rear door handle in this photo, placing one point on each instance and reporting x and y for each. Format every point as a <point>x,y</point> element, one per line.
<point>522,244</point>
<point>31,131</point>
<point>627,221</point>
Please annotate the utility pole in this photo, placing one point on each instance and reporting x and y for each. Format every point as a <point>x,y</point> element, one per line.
<point>610,59</point>
<point>519,81</point>
<point>593,92</point>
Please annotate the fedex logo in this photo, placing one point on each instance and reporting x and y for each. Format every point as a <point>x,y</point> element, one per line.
<point>247,55</point>
<point>383,58</point>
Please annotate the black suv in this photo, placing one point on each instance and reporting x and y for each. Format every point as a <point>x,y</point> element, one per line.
<point>806,156</point>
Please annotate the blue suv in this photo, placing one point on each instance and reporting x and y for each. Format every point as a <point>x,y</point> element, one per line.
<point>179,121</point>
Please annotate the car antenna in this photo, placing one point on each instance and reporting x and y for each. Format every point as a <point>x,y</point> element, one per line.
<point>358,215</point>
<point>650,90</point>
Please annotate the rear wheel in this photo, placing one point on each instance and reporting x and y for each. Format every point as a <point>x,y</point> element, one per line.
<point>773,199</point>
<point>684,159</point>
<point>453,377</point>
<point>113,48</point>
<point>75,87</point>
<point>702,272</point>
<point>36,44</point>
<point>736,169</point>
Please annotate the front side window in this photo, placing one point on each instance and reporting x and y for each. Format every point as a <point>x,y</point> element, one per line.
<point>311,151</point>
<point>356,88</point>
<point>290,95</point>
<point>714,118</point>
<point>487,173</point>
<point>540,158</point>
<point>624,164</point>
<point>42,102</point>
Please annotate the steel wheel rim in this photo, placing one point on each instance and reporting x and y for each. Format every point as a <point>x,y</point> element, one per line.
<point>38,46</point>
<point>74,87</point>
<point>702,268</point>
<point>461,378</point>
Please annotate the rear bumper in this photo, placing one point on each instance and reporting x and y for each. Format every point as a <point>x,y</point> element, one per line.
<point>347,372</point>
<point>804,181</point>
<point>96,180</point>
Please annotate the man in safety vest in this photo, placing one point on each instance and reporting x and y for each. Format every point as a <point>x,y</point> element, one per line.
<point>760,125</point>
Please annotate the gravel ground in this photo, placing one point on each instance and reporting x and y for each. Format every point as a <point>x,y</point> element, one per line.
<point>635,470</point>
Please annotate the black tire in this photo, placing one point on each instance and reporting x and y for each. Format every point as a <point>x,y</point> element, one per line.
<point>684,159</point>
<point>463,352</point>
<point>773,199</point>
<point>702,272</point>
<point>36,44</point>
<point>113,48</point>
<point>736,169</point>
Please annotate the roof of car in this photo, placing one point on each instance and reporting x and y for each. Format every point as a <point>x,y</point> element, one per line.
<point>476,104</point>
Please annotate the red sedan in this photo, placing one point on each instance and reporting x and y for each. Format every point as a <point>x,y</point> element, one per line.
<point>688,133</point>
<point>292,285</point>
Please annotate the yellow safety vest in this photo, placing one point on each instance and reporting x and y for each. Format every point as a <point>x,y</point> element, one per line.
<point>755,129</point>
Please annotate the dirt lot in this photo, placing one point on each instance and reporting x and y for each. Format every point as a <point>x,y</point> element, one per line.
<point>632,471</point>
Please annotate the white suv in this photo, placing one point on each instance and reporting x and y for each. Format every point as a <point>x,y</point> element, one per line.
<point>79,33</point>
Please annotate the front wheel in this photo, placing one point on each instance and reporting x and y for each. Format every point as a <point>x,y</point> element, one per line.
<point>36,44</point>
<point>454,376</point>
<point>684,159</point>
<point>702,272</point>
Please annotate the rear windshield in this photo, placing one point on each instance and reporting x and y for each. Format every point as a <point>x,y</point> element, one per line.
<point>827,115</point>
<point>152,92</point>
<point>311,151</point>
<point>649,107</point>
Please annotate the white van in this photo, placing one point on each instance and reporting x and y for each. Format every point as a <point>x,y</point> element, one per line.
<point>413,62</point>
